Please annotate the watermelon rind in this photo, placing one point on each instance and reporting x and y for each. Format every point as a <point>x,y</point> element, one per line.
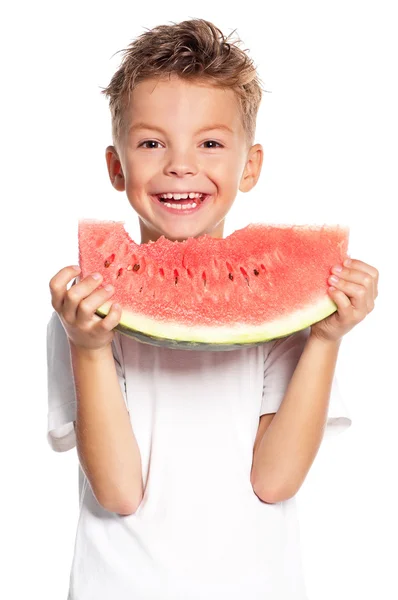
<point>183,337</point>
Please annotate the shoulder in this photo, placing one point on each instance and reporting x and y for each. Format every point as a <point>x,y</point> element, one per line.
<point>286,346</point>
<point>296,338</point>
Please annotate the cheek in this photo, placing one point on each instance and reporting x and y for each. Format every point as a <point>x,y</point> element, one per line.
<point>225,167</point>
<point>230,175</point>
<point>139,172</point>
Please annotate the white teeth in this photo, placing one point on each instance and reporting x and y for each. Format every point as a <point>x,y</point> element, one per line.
<point>184,196</point>
<point>180,206</point>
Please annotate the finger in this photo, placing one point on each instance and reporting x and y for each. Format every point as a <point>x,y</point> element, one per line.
<point>358,295</point>
<point>88,305</point>
<point>58,285</point>
<point>342,301</point>
<point>372,271</point>
<point>353,276</point>
<point>76,294</point>
<point>362,266</point>
<point>112,318</point>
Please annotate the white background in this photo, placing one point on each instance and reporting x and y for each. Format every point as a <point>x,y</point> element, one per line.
<point>329,130</point>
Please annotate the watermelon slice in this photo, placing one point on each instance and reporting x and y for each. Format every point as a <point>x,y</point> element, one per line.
<point>260,283</point>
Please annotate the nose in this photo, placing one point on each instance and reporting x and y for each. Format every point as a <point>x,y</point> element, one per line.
<point>181,164</point>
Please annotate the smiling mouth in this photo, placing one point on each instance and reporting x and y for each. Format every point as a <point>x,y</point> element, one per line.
<point>184,205</point>
<point>188,200</point>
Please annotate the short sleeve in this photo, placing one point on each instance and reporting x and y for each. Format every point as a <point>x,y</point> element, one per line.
<point>61,386</point>
<point>280,361</point>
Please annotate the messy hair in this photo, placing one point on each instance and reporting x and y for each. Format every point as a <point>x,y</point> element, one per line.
<point>195,50</point>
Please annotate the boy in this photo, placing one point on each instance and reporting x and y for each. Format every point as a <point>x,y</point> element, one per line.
<point>189,461</point>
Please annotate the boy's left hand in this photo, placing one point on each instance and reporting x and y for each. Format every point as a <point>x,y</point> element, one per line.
<point>354,293</point>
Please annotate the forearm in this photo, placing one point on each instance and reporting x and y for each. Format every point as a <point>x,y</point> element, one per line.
<point>106,444</point>
<point>291,441</point>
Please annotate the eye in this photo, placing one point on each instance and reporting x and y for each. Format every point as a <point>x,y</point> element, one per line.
<point>148,142</point>
<point>213,142</point>
<point>155,142</point>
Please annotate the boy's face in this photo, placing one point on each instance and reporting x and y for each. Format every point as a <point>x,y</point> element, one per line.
<point>169,145</point>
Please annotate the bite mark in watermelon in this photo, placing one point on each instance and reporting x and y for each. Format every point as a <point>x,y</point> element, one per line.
<point>260,283</point>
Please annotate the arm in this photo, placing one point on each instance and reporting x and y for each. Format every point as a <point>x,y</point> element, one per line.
<point>106,445</point>
<point>292,436</point>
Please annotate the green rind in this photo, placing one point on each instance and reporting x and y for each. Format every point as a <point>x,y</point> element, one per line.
<point>183,337</point>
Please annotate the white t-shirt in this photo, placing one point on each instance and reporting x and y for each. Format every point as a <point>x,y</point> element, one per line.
<point>200,532</point>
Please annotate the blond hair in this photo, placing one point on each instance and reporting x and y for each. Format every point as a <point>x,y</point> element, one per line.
<point>195,50</point>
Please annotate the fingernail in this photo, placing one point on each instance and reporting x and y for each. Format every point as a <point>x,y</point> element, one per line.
<point>347,262</point>
<point>96,276</point>
<point>76,267</point>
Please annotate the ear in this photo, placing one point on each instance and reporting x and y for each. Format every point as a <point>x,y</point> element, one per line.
<point>115,168</point>
<point>252,168</point>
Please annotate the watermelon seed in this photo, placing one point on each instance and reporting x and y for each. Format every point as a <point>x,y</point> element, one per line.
<point>109,260</point>
<point>175,276</point>
<point>120,271</point>
<point>140,288</point>
<point>256,272</point>
<point>245,275</point>
<point>129,267</point>
<point>204,278</point>
<point>231,277</point>
<point>136,267</point>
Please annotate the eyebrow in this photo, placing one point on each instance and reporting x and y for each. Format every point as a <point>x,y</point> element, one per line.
<point>142,125</point>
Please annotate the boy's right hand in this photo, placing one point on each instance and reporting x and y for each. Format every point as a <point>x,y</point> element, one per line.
<point>76,308</point>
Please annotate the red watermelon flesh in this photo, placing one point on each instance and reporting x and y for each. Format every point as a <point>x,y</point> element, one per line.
<point>259,283</point>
